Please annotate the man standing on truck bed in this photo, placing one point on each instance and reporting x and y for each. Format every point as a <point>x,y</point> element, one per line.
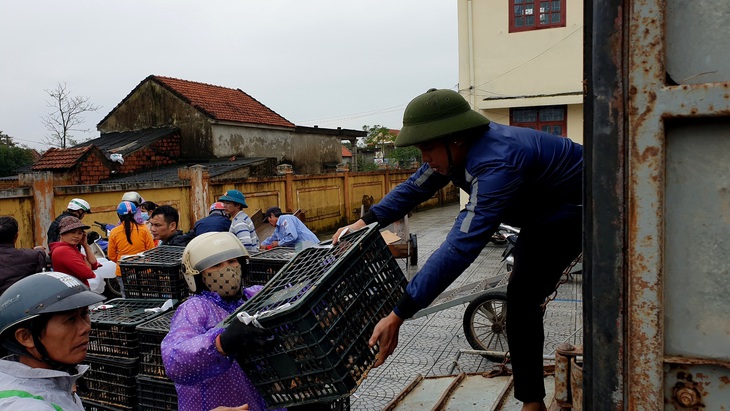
<point>514,175</point>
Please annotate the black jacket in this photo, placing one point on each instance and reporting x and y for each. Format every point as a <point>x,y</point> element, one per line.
<point>179,239</point>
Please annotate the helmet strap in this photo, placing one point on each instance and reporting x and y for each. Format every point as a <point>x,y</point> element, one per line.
<point>448,156</point>
<point>36,333</point>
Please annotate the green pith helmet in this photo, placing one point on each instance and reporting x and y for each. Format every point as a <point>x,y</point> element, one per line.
<point>435,114</point>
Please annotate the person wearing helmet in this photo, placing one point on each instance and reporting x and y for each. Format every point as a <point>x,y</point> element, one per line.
<point>77,207</point>
<point>289,231</point>
<point>217,221</point>
<point>241,224</point>
<point>136,199</point>
<point>198,356</point>
<point>65,255</point>
<point>45,326</point>
<point>519,176</point>
<point>128,238</point>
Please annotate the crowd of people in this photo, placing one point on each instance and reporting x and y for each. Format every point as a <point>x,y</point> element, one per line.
<point>142,225</point>
<point>44,334</point>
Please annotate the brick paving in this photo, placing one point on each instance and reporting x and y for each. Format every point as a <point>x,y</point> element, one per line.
<point>431,344</point>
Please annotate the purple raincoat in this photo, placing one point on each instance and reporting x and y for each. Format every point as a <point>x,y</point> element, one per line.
<point>204,378</point>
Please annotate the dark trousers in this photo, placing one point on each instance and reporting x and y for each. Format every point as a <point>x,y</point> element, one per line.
<point>541,254</point>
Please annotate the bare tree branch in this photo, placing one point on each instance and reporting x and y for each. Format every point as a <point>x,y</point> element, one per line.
<point>66,117</point>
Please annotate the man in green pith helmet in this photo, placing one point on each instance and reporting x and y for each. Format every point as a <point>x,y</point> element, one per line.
<point>513,175</point>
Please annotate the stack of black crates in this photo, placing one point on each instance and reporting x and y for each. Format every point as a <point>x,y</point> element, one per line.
<point>114,353</point>
<point>154,390</point>
<point>124,349</point>
<point>323,306</point>
<point>263,266</point>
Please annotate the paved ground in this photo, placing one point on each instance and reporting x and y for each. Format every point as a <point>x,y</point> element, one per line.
<point>430,345</point>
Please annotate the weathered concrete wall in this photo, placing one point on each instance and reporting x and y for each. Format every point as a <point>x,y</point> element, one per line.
<point>306,153</point>
<point>229,140</point>
<point>154,106</point>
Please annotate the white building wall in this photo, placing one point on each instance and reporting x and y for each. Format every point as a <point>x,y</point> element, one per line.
<point>494,63</point>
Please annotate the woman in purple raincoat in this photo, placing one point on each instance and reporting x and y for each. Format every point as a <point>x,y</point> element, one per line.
<point>199,357</point>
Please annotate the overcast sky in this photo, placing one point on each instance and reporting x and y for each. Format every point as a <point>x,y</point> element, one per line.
<point>333,63</point>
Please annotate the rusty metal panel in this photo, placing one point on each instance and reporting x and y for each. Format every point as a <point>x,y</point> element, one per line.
<point>670,107</point>
<point>605,162</point>
<point>653,286</point>
<point>697,221</point>
<point>697,39</point>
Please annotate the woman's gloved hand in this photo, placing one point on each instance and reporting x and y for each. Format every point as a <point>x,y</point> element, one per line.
<point>239,338</point>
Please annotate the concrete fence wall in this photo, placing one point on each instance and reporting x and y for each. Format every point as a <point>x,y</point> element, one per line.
<point>328,200</point>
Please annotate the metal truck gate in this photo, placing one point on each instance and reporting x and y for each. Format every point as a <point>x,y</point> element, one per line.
<point>657,306</point>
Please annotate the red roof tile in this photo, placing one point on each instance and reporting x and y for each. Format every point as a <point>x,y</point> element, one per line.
<point>60,158</point>
<point>346,152</point>
<point>222,103</point>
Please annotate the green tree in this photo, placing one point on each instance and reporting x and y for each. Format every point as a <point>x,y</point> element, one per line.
<point>12,157</point>
<point>405,157</point>
<point>379,137</point>
<point>66,117</point>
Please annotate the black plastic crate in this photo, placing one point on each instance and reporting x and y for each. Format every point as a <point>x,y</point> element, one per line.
<point>155,394</point>
<point>151,334</point>
<point>154,274</point>
<point>114,329</point>
<point>97,406</point>
<point>263,266</point>
<point>323,306</point>
<point>111,382</point>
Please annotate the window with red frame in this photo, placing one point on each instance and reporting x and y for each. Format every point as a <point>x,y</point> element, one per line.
<point>550,119</point>
<point>527,15</point>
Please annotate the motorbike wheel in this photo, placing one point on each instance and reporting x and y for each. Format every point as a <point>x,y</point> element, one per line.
<point>111,288</point>
<point>485,323</point>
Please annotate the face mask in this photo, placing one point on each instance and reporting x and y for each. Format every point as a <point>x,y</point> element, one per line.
<point>225,282</point>
<point>145,216</point>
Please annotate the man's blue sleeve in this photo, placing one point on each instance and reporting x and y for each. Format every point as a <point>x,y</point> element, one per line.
<point>492,192</point>
<point>419,187</point>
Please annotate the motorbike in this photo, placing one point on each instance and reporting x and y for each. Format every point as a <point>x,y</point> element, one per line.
<point>105,282</point>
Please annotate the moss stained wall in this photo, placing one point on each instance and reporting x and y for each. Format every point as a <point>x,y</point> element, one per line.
<point>151,105</point>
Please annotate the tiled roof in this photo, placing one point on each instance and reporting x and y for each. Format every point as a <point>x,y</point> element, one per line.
<point>127,142</point>
<point>222,103</point>
<point>60,158</point>
<point>169,173</point>
<point>346,152</point>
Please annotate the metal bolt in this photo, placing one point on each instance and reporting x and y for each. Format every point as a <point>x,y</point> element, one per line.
<point>687,396</point>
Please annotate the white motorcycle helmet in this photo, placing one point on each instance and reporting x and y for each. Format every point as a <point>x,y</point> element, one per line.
<point>207,250</point>
<point>132,197</point>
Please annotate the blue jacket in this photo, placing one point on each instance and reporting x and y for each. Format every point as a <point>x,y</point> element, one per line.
<point>215,222</point>
<point>514,175</point>
<point>290,231</point>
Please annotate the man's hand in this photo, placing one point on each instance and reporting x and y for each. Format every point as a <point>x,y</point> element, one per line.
<point>386,335</point>
<point>350,228</point>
